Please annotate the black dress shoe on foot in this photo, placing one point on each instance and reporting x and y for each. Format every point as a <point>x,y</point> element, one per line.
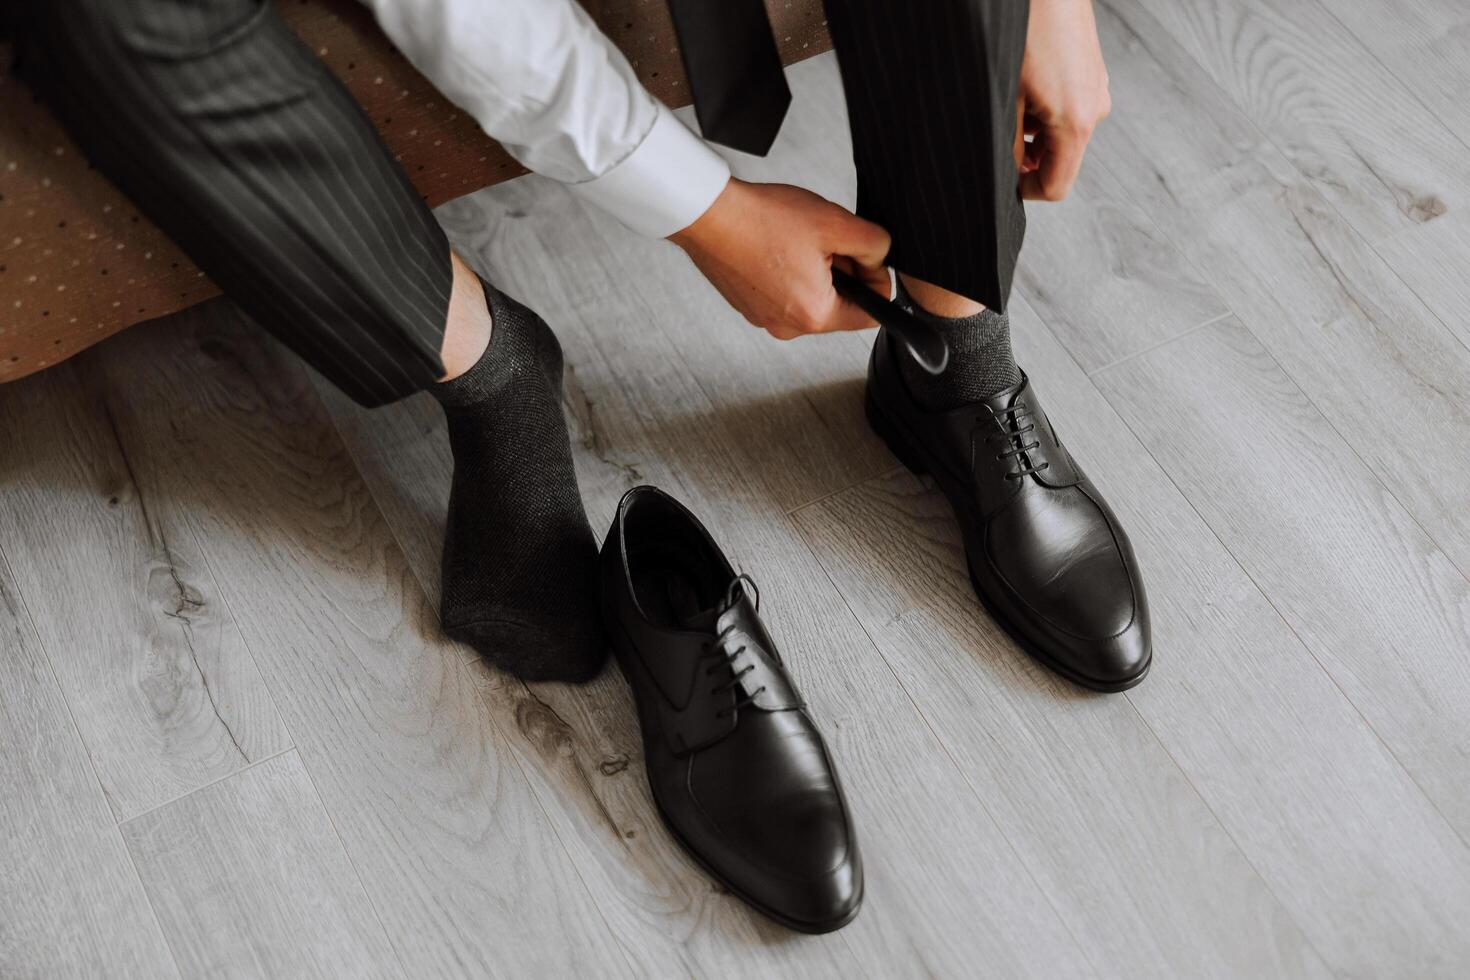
<point>738,771</point>
<point>1047,556</point>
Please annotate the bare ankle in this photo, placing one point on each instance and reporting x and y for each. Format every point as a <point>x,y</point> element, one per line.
<point>467,324</point>
<point>938,300</point>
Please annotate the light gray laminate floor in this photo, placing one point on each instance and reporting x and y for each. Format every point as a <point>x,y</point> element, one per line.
<point>234,743</point>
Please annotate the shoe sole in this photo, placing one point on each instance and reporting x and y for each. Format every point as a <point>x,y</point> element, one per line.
<point>893,435</point>
<point>623,653</point>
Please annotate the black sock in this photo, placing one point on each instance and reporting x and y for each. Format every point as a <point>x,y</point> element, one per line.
<point>520,579</point>
<point>981,363</point>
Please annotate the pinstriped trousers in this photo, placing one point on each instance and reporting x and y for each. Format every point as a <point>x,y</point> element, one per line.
<point>236,141</point>
<point>223,128</point>
<point>931,90</point>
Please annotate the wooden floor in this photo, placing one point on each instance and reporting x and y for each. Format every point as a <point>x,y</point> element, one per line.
<point>234,743</point>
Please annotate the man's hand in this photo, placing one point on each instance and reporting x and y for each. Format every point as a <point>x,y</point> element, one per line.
<point>769,249</point>
<point>1064,95</point>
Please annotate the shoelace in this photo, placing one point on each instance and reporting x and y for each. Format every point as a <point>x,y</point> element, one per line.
<point>725,657</point>
<point>1015,437</point>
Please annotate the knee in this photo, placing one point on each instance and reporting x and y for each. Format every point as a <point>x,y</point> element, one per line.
<point>161,29</point>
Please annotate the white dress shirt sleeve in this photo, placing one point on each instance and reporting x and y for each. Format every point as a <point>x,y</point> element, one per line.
<point>541,79</point>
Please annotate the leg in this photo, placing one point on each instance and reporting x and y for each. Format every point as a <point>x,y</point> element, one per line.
<point>931,94</point>
<point>931,98</point>
<point>931,91</point>
<point>237,142</point>
<point>220,124</point>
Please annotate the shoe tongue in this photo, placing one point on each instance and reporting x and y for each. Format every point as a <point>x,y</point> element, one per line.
<point>1003,399</point>
<point>702,620</point>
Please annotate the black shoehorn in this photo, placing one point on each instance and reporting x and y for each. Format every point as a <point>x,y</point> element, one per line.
<point>924,342</point>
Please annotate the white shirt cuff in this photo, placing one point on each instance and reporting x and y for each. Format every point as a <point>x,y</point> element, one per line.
<point>667,182</point>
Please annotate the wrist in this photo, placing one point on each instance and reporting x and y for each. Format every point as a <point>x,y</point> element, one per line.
<point>712,224</point>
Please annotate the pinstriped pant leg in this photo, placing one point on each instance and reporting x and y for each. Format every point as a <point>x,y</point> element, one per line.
<point>931,97</point>
<point>223,128</point>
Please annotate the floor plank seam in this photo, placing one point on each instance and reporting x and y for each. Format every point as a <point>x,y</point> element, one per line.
<point>1306,936</point>
<point>1153,732</point>
<point>357,467</point>
<point>1378,479</point>
<point>700,385</point>
<point>881,475</point>
<point>1348,444</point>
<point>168,943</point>
<point>207,558</point>
<point>1249,118</point>
<point>1411,89</point>
<point>576,866</point>
<point>1189,332</point>
<point>204,786</point>
<point>1429,309</point>
<point>91,765</point>
<point>1352,229</point>
<point>1282,616</point>
<point>356,872</point>
<point>461,661</point>
<point>1019,856</point>
<point>1372,248</point>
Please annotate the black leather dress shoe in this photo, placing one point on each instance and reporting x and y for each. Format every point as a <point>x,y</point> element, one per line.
<point>738,771</point>
<point>1047,556</point>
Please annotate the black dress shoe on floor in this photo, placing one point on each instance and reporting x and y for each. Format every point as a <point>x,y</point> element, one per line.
<point>738,771</point>
<point>1047,556</point>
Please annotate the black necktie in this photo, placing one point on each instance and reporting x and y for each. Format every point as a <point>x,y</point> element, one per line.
<point>734,69</point>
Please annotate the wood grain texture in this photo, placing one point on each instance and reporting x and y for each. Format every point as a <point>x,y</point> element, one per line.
<point>1340,116</point>
<point>1137,290</point>
<point>944,889</point>
<point>389,717</point>
<point>1283,759</point>
<point>70,900</point>
<point>250,880</point>
<point>1283,796</point>
<point>167,696</point>
<point>579,745</point>
<point>1109,796</point>
<point>1342,325</point>
<point>1392,381</point>
<point>1431,260</point>
<point>1357,580</point>
<point>788,405</point>
<point>1317,297</point>
<point>1423,45</point>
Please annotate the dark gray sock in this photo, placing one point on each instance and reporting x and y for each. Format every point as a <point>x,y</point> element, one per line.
<point>981,363</point>
<point>520,561</point>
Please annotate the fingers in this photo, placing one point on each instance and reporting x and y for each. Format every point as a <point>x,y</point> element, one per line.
<point>1019,147</point>
<point>821,309</point>
<point>862,241</point>
<point>804,301</point>
<point>857,246</point>
<point>1028,157</point>
<point>1058,161</point>
<point>846,315</point>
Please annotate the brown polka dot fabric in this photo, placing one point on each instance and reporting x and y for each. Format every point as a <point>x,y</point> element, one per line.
<point>78,263</point>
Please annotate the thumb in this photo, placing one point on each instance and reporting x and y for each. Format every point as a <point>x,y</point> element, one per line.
<point>859,246</point>
<point>857,238</point>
